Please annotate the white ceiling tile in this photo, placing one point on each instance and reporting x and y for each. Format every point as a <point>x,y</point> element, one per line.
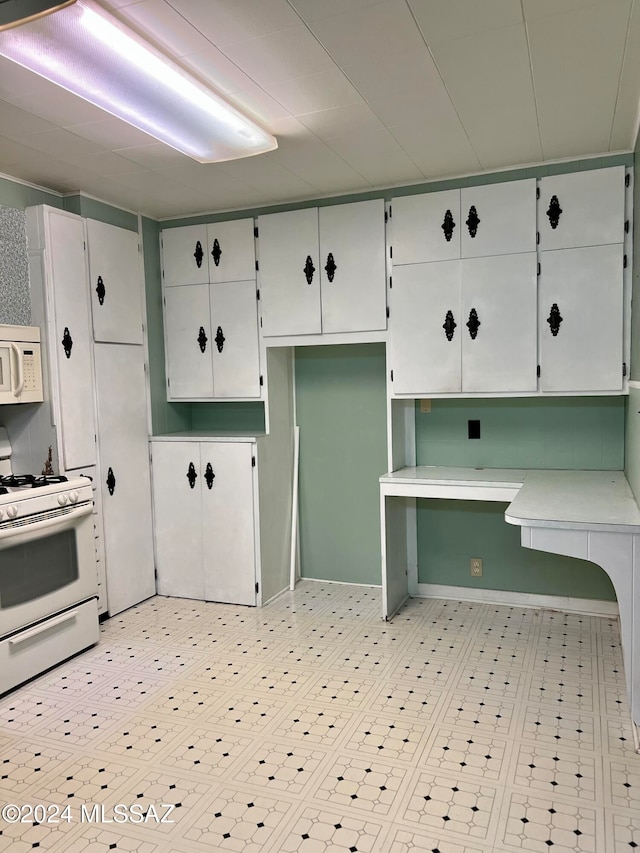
<point>107,164</point>
<point>503,134</point>
<point>432,103</point>
<point>266,175</point>
<point>59,106</point>
<point>225,23</point>
<point>58,143</point>
<point>203,178</point>
<point>535,9</point>
<point>16,81</point>
<point>10,152</point>
<point>377,156</point>
<point>315,92</point>
<point>381,75</point>
<point>15,121</point>
<point>626,111</point>
<point>459,18</point>
<point>577,61</point>
<point>161,25</point>
<point>326,124</point>
<point>312,10</point>
<point>280,56</point>
<point>384,28</point>
<point>157,155</point>
<point>436,142</point>
<point>111,133</point>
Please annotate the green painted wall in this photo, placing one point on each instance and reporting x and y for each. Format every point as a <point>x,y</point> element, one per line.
<point>632,461</point>
<point>563,432</point>
<point>451,532</point>
<point>17,195</point>
<point>91,208</point>
<point>341,412</point>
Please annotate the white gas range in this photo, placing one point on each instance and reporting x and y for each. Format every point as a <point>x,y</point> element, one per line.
<point>48,582</point>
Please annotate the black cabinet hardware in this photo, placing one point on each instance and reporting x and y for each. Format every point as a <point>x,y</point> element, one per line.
<point>216,252</point>
<point>198,254</point>
<point>111,481</point>
<point>473,324</point>
<point>449,325</point>
<point>554,212</point>
<point>202,339</point>
<point>191,475</point>
<point>473,220</point>
<point>209,476</point>
<point>554,319</point>
<point>219,339</point>
<point>330,267</point>
<point>309,269</point>
<point>67,342</point>
<point>100,290</point>
<point>448,225</point>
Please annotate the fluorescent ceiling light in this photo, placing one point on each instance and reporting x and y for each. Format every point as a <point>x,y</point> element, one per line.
<point>81,48</point>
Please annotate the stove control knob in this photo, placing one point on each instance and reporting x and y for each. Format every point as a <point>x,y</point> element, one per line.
<point>1,513</point>
<point>62,499</point>
<point>73,497</point>
<point>12,511</point>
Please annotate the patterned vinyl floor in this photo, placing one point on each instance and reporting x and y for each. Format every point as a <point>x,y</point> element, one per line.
<point>311,725</point>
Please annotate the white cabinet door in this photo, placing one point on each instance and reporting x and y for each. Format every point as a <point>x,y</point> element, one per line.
<point>352,261</point>
<point>116,287</point>
<point>502,355</point>
<point>231,250</point>
<point>185,255</point>
<point>124,467</point>
<point>582,209</point>
<point>426,227</point>
<point>188,341</point>
<point>69,299</point>
<point>234,344</point>
<point>580,319</point>
<point>178,518</point>
<point>426,328</point>
<point>228,518</point>
<point>290,272</point>
<point>498,219</point>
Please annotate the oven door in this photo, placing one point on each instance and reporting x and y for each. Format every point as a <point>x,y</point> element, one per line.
<point>46,565</point>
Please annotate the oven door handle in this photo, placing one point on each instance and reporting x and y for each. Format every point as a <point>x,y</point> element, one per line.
<point>18,352</point>
<point>40,629</point>
<point>10,536</point>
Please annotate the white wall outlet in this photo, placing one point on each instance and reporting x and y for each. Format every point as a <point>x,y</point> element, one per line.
<point>476,567</point>
<point>425,406</point>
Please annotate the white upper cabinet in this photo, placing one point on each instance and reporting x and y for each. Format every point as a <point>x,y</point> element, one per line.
<point>323,271</point>
<point>290,273</point>
<point>426,227</point>
<point>581,319</point>
<point>115,282</point>
<point>234,345</point>
<point>498,219</point>
<point>352,257</point>
<point>582,209</point>
<point>499,347</point>
<point>188,340</point>
<point>219,251</point>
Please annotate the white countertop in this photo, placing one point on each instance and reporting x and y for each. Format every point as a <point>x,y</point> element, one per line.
<point>600,500</point>
<point>208,435</point>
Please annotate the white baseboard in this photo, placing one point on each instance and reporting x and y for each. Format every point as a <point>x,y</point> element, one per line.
<point>585,606</point>
<point>343,583</point>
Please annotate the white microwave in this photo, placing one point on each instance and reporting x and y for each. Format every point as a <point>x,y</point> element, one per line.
<point>20,365</point>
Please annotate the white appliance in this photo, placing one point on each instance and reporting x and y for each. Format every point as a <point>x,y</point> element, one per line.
<point>48,581</point>
<point>20,365</point>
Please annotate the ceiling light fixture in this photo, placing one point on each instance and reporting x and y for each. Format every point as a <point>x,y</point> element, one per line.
<point>78,46</point>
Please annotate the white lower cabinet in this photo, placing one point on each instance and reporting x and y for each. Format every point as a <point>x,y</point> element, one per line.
<point>205,494</point>
<point>465,326</point>
<point>581,319</point>
<point>124,474</point>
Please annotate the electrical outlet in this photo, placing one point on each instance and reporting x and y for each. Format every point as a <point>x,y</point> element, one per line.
<point>476,567</point>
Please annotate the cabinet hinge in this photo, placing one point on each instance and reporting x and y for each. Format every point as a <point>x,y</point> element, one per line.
<point>258,294</point>
<point>386,218</point>
<point>537,192</point>
<point>626,226</point>
<point>262,380</point>
<point>627,179</point>
<point>155,574</point>
<point>392,375</point>
<point>390,212</point>
<point>390,251</point>
<point>538,371</point>
<point>257,265</point>
<point>260,322</point>
<point>255,232</point>
<point>253,461</point>
<point>624,262</point>
<point>538,269</point>
<point>257,587</point>
<point>387,312</point>
<point>624,368</point>
<point>537,238</point>
<point>390,282</point>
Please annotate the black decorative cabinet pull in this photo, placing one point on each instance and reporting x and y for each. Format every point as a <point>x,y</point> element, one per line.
<point>67,342</point>
<point>111,481</point>
<point>202,339</point>
<point>331,267</point>
<point>216,252</point>
<point>219,339</point>
<point>554,211</point>
<point>198,254</point>
<point>309,269</point>
<point>209,475</point>
<point>473,324</point>
<point>191,475</point>
<point>554,319</point>
<point>448,225</point>
<point>449,325</point>
<point>473,220</point>
<point>100,290</point>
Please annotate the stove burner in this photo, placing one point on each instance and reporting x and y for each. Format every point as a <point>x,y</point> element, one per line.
<point>49,480</point>
<point>3,491</point>
<point>14,481</point>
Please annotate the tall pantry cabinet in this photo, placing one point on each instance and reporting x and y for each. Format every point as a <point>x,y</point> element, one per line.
<point>87,297</point>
